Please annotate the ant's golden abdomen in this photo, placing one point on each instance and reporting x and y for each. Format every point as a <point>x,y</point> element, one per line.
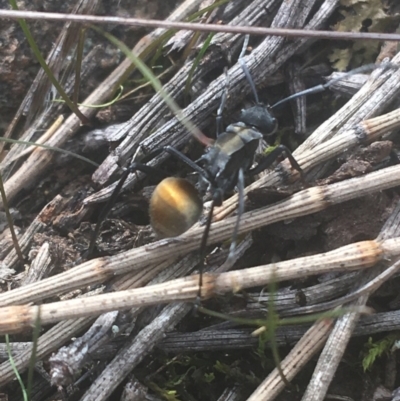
<point>174,207</point>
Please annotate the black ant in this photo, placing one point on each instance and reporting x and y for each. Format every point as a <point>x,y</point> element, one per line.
<point>175,205</point>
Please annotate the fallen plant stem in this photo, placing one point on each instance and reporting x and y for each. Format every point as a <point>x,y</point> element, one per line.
<point>152,23</point>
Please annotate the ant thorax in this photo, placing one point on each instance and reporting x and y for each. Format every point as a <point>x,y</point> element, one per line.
<point>234,149</point>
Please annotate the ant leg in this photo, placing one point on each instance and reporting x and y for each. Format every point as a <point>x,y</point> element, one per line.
<point>217,199</point>
<point>232,248</point>
<point>271,157</point>
<point>180,156</point>
<point>135,166</point>
<point>203,246</point>
<point>177,154</point>
<point>139,166</point>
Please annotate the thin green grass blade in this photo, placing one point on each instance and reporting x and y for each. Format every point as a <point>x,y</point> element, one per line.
<point>66,152</point>
<point>17,375</point>
<point>45,67</point>
<point>148,74</point>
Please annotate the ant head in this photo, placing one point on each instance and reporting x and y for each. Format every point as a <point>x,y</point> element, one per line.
<point>260,117</point>
<point>174,207</point>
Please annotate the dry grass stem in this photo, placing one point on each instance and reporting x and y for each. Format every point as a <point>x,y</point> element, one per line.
<point>148,23</point>
<point>301,353</point>
<point>356,256</point>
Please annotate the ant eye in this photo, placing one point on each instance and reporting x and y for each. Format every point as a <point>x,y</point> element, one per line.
<point>272,126</point>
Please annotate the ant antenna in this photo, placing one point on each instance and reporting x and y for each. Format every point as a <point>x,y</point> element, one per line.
<point>222,104</point>
<point>203,246</point>
<point>225,94</point>
<point>323,87</point>
<point>246,70</point>
<point>105,211</point>
<point>244,47</point>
